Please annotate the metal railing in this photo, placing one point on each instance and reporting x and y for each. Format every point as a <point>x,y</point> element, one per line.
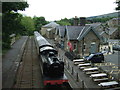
<point>74,73</point>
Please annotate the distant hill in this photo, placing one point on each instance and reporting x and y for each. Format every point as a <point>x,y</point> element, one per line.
<point>115,14</point>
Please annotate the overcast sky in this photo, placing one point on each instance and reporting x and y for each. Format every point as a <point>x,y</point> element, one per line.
<point>58,9</point>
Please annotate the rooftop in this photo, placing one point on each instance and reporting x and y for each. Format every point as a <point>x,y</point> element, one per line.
<point>51,25</point>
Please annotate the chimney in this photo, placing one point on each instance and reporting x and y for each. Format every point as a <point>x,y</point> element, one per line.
<point>82,21</point>
<point>75,21</point>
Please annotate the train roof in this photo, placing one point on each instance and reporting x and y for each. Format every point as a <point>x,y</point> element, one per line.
<point>41,40</point>
<point>47,48</point>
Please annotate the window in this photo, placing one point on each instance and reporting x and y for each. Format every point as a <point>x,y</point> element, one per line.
<point>75,45</point>
<point>84,46</point>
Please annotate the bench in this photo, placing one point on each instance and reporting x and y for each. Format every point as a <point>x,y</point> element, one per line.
<point>76,63</point>
<point>98,75</point>
<point>78,60</point>
<point>90,69</point>
<point>85,64</point>
<point>94,72</point>
<point>84,67</point>
<point>108,84</point>
<point>99,80</point>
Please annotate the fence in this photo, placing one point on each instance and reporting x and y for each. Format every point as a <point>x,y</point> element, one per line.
<point>73,73</point>
<point>12,36</point>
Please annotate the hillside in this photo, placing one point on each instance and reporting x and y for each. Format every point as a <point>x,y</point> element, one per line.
<point>115,14</point>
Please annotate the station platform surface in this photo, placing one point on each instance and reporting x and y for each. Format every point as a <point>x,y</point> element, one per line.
<point>10,62</point>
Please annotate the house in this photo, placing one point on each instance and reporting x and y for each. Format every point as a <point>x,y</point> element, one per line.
<point>114,22</point>
<point>82,39</point>
<point>108,30</point>
<point>112,43</point>
<point>102,31</point>
<point>48,30</point>
<point>113,33</point>
<point>60,34</point>
<point>71,41</point>
<point>89,41</point>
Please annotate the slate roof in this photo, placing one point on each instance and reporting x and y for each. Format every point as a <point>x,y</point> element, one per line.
<point>100,30</point>
<point>62,31</point>
<point>103,32</point>
<point>82,34</point>
<point>75,32</point>
<point>95,25</point>
<point>51,25</point>
<point>112,30</point>
<point>78,32</point>
<point>113,40</point>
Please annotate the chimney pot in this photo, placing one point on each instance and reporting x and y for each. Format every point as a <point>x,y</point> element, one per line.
<point>82,21</point>
<point>75,21</point>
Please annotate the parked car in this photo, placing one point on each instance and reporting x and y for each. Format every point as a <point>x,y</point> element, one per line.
<point>116,47</point>
<point>95,58</point>
<point>104,52</point>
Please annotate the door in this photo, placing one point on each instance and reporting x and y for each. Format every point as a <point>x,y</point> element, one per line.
<point>93,48</point>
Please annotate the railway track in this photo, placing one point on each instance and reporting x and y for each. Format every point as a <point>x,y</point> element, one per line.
<point>29,75</point>
<point>29,72</point>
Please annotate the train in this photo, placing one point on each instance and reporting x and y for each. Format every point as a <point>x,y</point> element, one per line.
<point>51,66</point>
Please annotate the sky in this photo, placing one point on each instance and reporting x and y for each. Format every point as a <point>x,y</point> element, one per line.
<point>59,9</point>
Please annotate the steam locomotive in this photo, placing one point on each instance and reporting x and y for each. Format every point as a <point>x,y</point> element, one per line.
<point>52,67</point>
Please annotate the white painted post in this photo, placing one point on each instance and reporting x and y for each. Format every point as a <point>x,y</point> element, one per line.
<point>82,84</point>
<point>77,77</point>
<point>68,65</point>
<point>72,71</point>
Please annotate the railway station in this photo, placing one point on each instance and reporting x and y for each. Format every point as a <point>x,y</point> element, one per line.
<point>29,69</point>
<point>48,51</point>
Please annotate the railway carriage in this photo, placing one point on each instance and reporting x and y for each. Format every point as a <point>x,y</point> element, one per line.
<point>52,67</point>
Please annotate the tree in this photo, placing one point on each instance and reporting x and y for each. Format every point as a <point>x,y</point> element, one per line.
<point>39,22</point>
<point>64,21</point>
<point>28,24</point>
<point>11,20</point>
<point>102,20</point>
<point>13,6</point>
<point>118,5</point>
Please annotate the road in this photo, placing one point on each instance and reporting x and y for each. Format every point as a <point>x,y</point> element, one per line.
<point>113,58</point>
<point>112,65</point>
